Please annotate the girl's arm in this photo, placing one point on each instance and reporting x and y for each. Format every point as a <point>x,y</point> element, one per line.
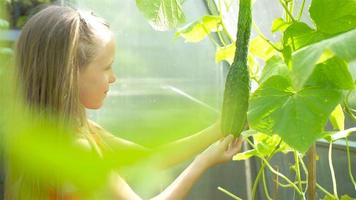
<point>188,147</point>
<point>174,152</point>
<point>221,151</point>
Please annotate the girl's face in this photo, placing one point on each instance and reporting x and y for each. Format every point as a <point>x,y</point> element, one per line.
<point>95,79</point>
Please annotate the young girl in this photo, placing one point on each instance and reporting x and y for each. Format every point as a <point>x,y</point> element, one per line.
<point>64,63</point>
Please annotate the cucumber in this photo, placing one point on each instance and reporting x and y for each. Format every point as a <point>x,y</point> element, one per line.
<point>237,86</point>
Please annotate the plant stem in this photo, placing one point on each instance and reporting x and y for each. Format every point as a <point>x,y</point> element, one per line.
<point>212,10</point>
<point>349,162</point>
<point>305,182</point>
<point>265,186</point>
<point>288,185</point>
<point>259,32</point>
<point>222,22</point>
<point>285,12</point>
<point>211,37</point>
<point>276,187</point>
<point>220,7</point>
<point>255,183</point>
<point>255,79</point>
<point>228,193</point>
<point>312,172</point>
<point>324,190</point>
<point>261,170</point>
<point>332,170</point>
<point>301,10</point>
<point>285,7</point>
<point>282,176</point>
<point>217,11</point>
<point>347,107</point>
<point>291,7</point>
<point>305,171</point>
<point>316,184</point>
<point>221,39</point>
<point>297,168</point>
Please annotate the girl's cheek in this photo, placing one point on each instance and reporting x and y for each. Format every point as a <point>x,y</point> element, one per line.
<point>103,84</point>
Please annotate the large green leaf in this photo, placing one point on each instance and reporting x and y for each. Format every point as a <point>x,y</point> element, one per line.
<point>333,16</point>
<point>305,59</point>
<point>198,30</point>
<point>162,14</point>
<point>299,34</point>
<point>332,73</point>
<point>298,117</point>
<point>274,66</point>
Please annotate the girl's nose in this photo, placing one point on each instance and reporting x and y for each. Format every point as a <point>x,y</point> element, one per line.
<point>112,78</point>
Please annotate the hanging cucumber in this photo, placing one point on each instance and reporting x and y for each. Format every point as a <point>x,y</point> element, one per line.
<point>237,86</point>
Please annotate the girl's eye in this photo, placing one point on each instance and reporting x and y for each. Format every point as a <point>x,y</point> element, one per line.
<point>108,68</point>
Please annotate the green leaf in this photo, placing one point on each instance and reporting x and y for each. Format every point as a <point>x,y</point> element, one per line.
<point>333,17</point>
<point>287,54</point>
<point>266,144</point>
<point>346,197</point>
<point>305,59</point>
<point>298,117</point>
<point>299,34</point>
<point>225,53</point>
<point>197,31</point>
<point>245,155</point>
<point>327,197</point>
<point>260,48</point>
<point>332,73</point>
<point>279,25</point>
<point>163,15</point>
<point>337,118</point>
<point>343,45</point>
<point>274,66</point>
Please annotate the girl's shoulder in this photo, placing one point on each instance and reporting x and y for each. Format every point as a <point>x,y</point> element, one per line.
<point>112,140</point>
<point>90,137</point>
<point>95,127</point>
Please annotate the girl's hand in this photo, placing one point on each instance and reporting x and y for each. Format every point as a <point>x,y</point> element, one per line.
<point>219,152</point>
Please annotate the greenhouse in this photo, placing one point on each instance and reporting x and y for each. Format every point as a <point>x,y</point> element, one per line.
<point>178,99</point>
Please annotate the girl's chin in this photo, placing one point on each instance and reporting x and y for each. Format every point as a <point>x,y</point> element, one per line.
<point>94,106</point>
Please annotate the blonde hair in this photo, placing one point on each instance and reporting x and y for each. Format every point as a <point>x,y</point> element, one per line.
<point>54,46</point>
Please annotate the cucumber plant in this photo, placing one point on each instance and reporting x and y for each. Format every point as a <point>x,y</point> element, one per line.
<point>304,81</point>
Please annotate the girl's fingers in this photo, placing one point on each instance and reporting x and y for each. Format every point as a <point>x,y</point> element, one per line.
<point>234,147</point>
<point>227,141</point>
<point>237,147</point>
